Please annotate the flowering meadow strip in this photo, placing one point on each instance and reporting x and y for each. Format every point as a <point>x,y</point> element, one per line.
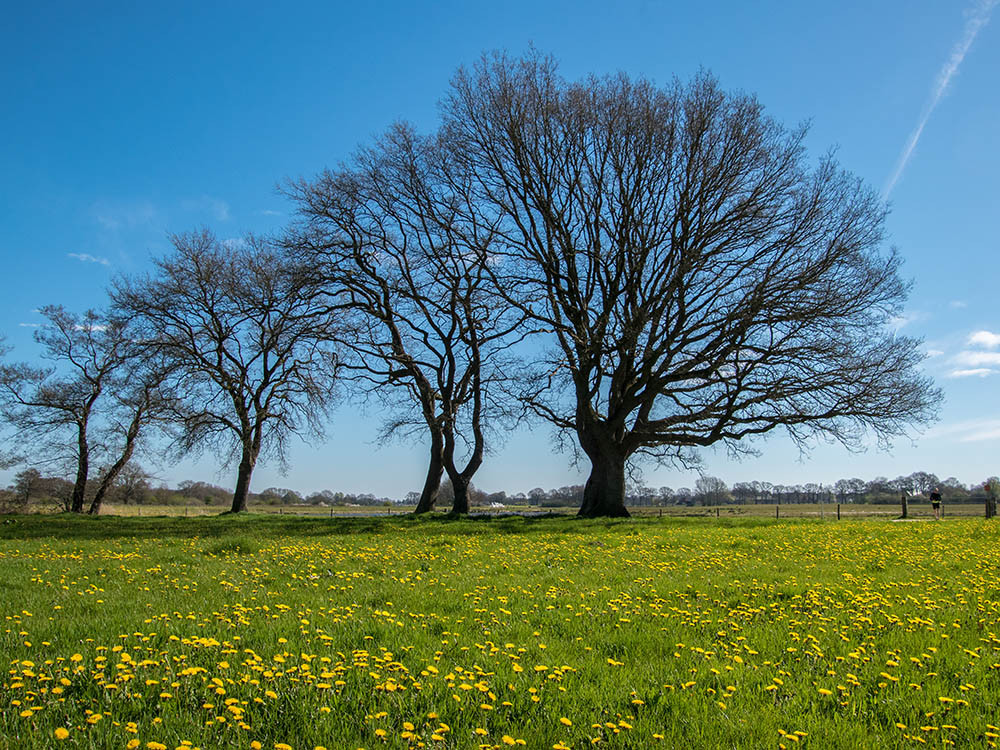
<point>545,634</point>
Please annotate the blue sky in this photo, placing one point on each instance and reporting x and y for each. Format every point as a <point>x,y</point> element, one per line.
<point>124,122</point>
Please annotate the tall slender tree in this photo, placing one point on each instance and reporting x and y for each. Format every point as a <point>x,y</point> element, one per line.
<point>56,410</point>
<point>431,336</point>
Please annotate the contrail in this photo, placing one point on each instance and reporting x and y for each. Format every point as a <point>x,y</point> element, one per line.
<point>979,16</point>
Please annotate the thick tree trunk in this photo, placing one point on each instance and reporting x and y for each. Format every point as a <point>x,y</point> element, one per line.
<point>604,493</point>
<point>98,501</point>
<point>429,494</point>
<point>462,480</point>
<point>243,483</point>
<point>460,506</point>
<point>108,479</point>
<point>82,470</point>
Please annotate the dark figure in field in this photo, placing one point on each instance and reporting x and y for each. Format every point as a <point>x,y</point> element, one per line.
<point>936,503</point>
<point>990,487</point>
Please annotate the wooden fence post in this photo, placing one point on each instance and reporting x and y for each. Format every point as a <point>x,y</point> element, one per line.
<point>776,510</point>
<point>838,511</point>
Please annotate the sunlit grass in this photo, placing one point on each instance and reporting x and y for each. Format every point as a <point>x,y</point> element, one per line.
<point>271,631</point>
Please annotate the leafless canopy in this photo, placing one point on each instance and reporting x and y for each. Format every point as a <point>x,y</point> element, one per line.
<point>381,237</point>
<point>249,352</point>
<point>91,402</point>
<point>701,281</point>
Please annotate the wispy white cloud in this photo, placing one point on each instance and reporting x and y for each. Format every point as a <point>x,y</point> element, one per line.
<point>235,243</point>
<point>216,207</point>
<point>985,339</point>
<point>975,372</point>
<point>958,304</point>
<point>269,212</point>
<point>967,358</point>
<point>982,435</point>
<point>30,325</point>
<point>898,322</point>
<point>977,17</point>
<point>933,353</point>
<point>114,216</point>
<point>969,431</point>
<point>88,258</point>
<point>987,429</point>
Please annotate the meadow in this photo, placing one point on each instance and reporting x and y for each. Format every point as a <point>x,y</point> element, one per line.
<point>283,632</point>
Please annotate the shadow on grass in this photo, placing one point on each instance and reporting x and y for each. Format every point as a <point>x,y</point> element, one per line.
<point>66,526</point>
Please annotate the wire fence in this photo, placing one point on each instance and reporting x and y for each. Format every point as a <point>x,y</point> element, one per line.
<point>820,511</point>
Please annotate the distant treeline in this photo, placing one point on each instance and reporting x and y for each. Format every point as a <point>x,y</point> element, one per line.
<point>31,488</point>
<point>710,490</point>
<point>135,487</point>
<point>881,490</point>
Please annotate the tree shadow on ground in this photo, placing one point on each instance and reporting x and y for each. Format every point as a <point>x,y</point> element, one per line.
<point>65,526</point>
<point>69,527</point>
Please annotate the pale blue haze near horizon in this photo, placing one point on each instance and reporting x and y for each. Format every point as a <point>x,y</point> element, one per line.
<point>124,122</point>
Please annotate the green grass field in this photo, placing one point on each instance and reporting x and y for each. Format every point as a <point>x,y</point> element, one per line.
<point>274,632</point>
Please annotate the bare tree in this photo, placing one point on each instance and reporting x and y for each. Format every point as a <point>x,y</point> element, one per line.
<point>742,492</point>
<point>702,283</point>
<point>431,336</point>
<point>53,409</point>
<point>27,484</point>
<point>132,487</point>
<point>711,490</point>
<point>923,482</point>
<point>249,351</point>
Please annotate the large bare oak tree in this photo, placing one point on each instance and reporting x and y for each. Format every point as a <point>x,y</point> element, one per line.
<point>703,284</point>
<point>250,353</point>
